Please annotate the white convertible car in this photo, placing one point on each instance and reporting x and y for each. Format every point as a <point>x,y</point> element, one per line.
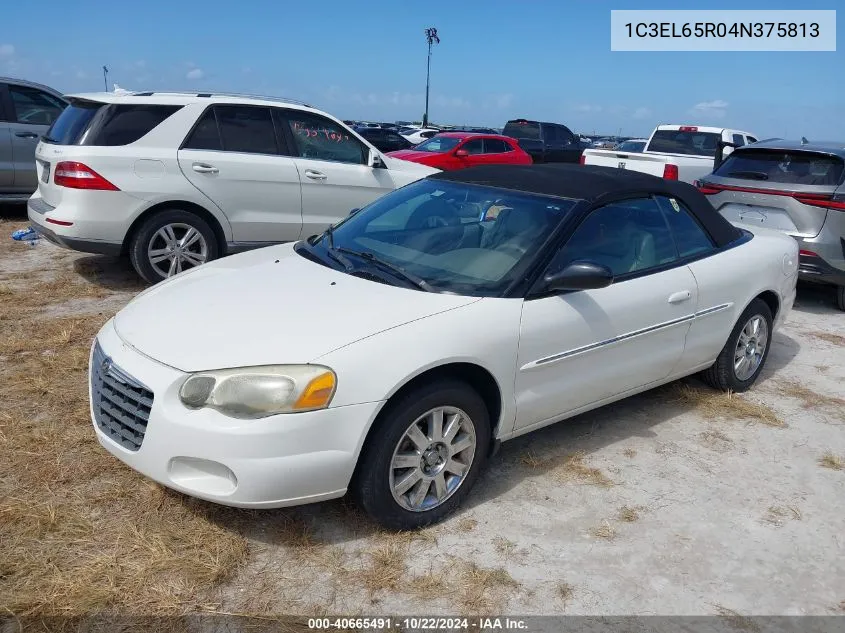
<point>389,355</point>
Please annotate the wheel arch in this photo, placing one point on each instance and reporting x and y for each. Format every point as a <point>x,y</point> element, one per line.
<point>183,205</point>
<point>474,375</point>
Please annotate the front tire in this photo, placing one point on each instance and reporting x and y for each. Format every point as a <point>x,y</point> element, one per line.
<point>744,355</point>
<point>840,297</point>
<point>425,456</point>
<point>170,242</point>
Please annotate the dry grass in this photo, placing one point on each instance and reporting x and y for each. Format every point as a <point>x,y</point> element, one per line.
<point>830,337</point>
<point>467,525</point>
<point>604,531</point>
<point>565,591</point>
<point>735,620</point>
<point>716,440</point>
<point>573,468</point>
<point>504,547</point>
<point>80,532</point>
<point>832,461</point>
<point>387,563</point>
<point>810,399</point>
<point>483,589</point>
<point>629,453</point>
<point>628,514</point>
<point>715,405</point>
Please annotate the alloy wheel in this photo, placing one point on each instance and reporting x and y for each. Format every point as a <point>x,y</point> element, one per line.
<point>432,459</point>
<point>176,247</point>
<point>751,347</point>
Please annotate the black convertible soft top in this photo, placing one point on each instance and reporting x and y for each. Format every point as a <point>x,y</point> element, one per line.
<point>596,186</point>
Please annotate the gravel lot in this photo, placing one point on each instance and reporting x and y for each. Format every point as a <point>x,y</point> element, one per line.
<point>677,501</point>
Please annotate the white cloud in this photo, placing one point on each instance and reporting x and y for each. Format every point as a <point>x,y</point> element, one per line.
<point>195,73</point>
<point>6,51</point>
<point>586,107</point>
<point>81,74</point>
<point>641,113</point>
<point>499,101</point>
<point>451,102</point>
<point>715,109</point>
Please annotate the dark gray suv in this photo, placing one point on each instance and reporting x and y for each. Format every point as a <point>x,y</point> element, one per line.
<point>27,109</point>
<point>796,187</point>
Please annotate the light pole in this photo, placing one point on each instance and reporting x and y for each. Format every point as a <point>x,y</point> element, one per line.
<point>106,77</point>
<point>431,37</point>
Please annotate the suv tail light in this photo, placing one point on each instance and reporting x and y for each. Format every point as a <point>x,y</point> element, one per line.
<point>76,175</point>
<point>820,200</point>
<point>582,160</point>
<point>824,200</point>
<point>670,172</point>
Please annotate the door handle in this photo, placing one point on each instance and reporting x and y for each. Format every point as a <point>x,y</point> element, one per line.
<point>204,168</point>
<point>680,297</point>
<point>315,175</point>
<point>26,134</point>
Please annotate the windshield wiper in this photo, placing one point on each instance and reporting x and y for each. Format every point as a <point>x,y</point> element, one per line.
<point>332,252</point>
<point>756,175</point>
<point>419,282</point>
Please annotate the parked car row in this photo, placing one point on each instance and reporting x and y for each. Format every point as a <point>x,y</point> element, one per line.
<point>176,180</point>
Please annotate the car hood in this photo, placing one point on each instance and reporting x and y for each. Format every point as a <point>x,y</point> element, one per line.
<point>392,161</point>
<point>269,306</point>
<point>415,156</point>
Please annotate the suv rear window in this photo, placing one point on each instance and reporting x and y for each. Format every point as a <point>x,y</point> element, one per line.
<point>521,128</point>
<point>781,166</point>
<point>106,124</point>
<point>684,142</point>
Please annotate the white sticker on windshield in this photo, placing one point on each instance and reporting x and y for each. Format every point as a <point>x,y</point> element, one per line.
<point>675,205</point>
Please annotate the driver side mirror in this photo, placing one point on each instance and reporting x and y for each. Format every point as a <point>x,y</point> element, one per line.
<point>579,276</point>
<point>375,161</point>
<point>461,153</point>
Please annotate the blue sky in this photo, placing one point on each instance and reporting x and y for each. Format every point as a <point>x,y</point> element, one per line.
<point>545,59</point>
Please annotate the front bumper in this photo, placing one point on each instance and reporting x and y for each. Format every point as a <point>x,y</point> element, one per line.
<point>277,461</point>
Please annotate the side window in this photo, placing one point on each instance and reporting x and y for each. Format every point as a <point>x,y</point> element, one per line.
<point>428,134</point>
<point>205,134</point>
<point>690,238</point>
<point>739,140</point>
<point>550,134</point>
<point>751,139</point>
<point>495,146</point>
<point>247,129</point>
<point>125,124</point>
<point>626,236</point>
<point>319,138</point>
<point>34,106</point>
<point>565,135</point>
<point>474,146</point>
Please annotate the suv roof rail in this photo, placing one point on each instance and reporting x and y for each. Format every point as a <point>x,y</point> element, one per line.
<point>214,93</point>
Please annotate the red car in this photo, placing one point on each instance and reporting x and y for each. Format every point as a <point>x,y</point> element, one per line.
<point>457,150</point>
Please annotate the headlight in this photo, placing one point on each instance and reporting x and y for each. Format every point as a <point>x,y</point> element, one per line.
<point>256,392</point>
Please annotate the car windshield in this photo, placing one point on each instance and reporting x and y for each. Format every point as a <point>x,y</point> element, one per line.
<point>783,166</point>
<point>452,237</point>
<point>631,146</point>
<point>438,144</point>
<point>522,129</point>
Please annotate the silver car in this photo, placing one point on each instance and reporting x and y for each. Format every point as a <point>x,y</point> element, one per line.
<point>27,110</point>
<point>795,187</point>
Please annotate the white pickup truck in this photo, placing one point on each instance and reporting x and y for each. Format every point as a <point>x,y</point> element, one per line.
<point>676,152</point>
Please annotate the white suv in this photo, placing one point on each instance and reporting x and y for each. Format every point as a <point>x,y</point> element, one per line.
<point>174,180</point>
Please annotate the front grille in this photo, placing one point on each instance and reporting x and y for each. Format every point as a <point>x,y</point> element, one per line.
<point>121,404</point>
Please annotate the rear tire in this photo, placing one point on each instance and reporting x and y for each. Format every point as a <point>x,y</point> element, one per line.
<point>409,473</point>
<point>840,297</point>
<point>170,242</point>
<point>744,355</point>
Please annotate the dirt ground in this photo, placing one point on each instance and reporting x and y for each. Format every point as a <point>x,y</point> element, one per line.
<point>677,501</point>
